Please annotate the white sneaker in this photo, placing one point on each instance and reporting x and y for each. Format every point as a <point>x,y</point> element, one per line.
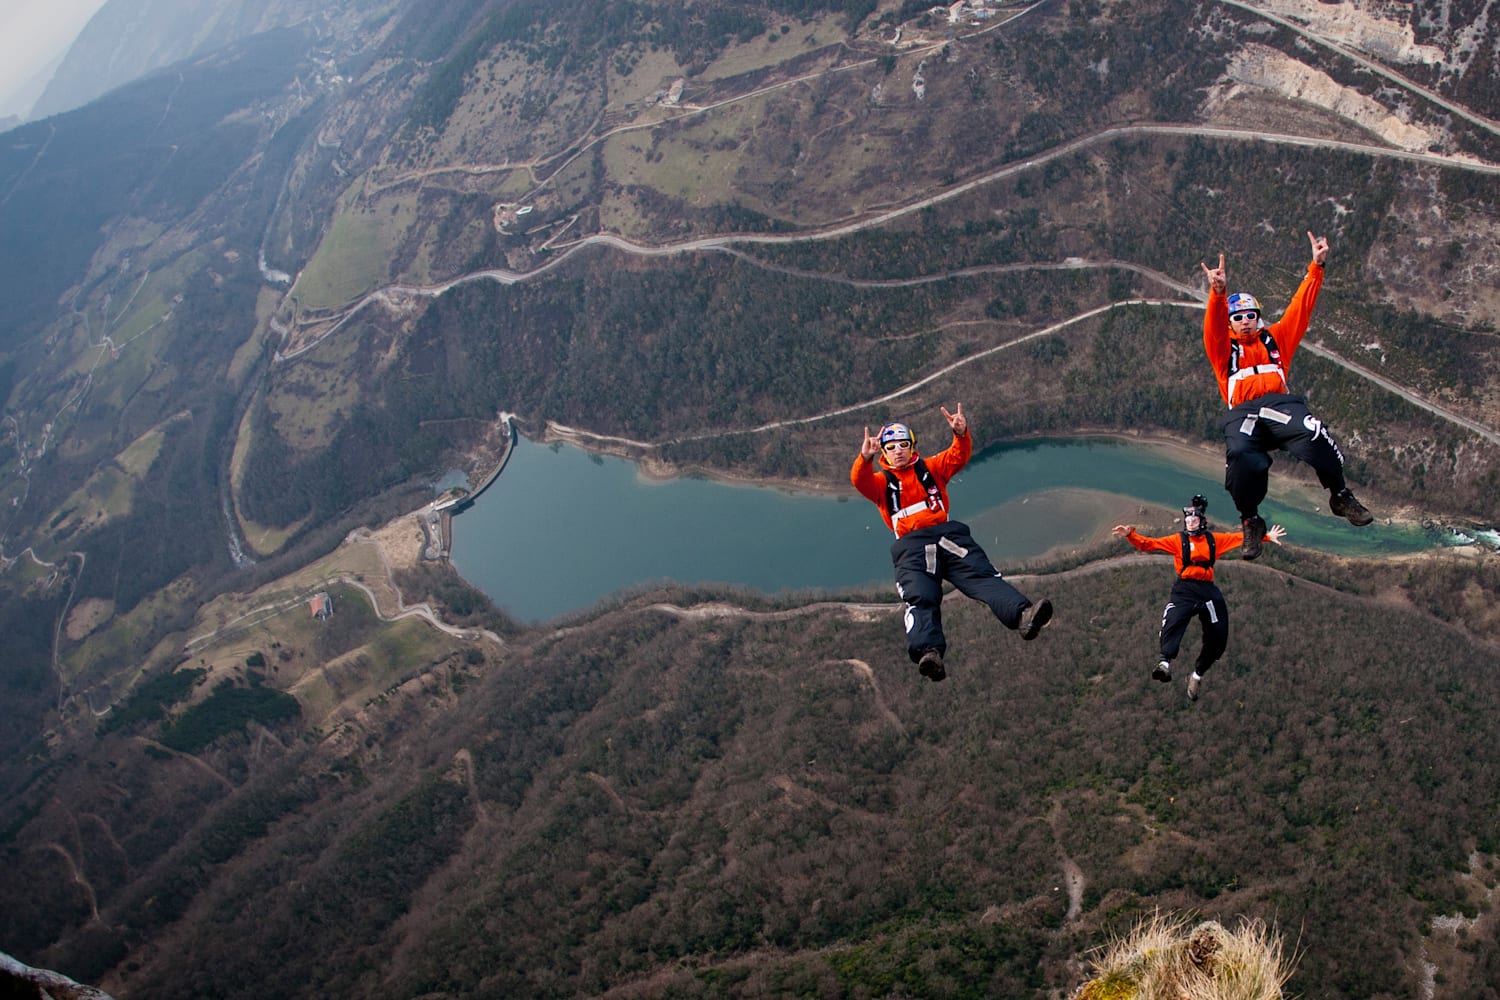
<point>1193,683</point>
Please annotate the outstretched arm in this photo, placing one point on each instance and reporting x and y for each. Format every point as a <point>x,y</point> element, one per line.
<point>864,474</point>
<point>1216,325</point>
<point>1290,328</point>
<point>1146,543</point>
<point>946,463</point>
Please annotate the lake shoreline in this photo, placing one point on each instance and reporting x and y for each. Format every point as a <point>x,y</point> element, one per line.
<point>1202,457</point>
<point>1028,501</point>
<point>1288,476</point>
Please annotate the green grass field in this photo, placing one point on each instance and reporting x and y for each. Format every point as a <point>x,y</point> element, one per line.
<point>111,653</point>
<point>394,654</point>
<point>354,257</point>
<point>777,46</point>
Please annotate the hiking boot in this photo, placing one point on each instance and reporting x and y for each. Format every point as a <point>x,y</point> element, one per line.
<point>1344,505</point>
<point>1035,618</point>
<point>1255,532</point>
<point>1163,672</point>
<point>1193,683</point>
<point>930,665</point>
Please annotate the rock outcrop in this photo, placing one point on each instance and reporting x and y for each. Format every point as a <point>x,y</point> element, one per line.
<point>19,980</point>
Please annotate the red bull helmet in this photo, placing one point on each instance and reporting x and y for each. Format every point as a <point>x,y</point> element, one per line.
<point>1243,302</point>
<point>896,432</point>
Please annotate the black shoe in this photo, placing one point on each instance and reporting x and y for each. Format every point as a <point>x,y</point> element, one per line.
<point>1035,618</point>
<point>1163,672</point>
<point>1255,532</point>
<point>1344,505</point>
<point>931,665</point>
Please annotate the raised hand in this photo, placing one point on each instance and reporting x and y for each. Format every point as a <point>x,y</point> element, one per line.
<point>871,446</point>
<point>956,420</point>
<point>1319,247</point>
<point>1218,280</point>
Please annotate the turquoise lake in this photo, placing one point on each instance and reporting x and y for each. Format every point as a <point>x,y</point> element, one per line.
<point>562,529</point>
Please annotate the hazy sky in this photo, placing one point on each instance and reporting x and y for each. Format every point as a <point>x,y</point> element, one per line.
<point>32,34</point>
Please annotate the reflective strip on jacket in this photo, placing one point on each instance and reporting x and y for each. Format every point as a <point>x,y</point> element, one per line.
<point>1258,375</point>
<point>867,478</point>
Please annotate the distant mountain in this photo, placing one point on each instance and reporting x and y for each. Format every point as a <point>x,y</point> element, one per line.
<point>128,39</point>
<point>18,105</point>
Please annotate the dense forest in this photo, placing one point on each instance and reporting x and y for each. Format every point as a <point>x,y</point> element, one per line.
<point>647,797</point>
<point>654,352</point>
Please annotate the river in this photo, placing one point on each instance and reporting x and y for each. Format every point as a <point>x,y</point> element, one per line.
<point>562,528</point>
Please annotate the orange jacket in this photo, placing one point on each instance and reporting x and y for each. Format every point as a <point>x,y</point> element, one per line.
<point>1197,546</point>
<point>1287,332</point>
<point>871,483</point>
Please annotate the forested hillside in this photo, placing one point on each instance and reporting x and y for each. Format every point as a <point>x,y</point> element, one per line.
<point>259,301</point>
<point>773,803</point>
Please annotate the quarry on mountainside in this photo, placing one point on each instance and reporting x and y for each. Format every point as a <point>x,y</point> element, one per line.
<point>1260,66</point>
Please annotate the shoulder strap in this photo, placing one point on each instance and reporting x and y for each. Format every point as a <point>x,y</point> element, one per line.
<point>1186,541</point>
<point>1266,339</point>
<point>924,476</point>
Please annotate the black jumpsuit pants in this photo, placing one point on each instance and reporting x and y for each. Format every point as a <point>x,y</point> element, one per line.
<point>1204,601</point>
<point>928,556</point>
<point>1270,422</point>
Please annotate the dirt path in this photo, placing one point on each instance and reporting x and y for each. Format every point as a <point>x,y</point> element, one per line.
<point>863,669</point>
<point>1072,874</point>
<point>399,296</point>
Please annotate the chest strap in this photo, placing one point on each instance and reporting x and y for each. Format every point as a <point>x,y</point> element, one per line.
<point>1237,374</point>
<point>1187,551</point>
<point>933,500</point>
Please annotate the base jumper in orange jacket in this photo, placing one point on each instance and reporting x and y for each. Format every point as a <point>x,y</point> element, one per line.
<point>912,494</point>
<point>1251,360</point>
<point>1194,593</point>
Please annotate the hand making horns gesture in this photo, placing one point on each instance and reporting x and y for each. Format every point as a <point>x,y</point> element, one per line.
<point>1216,279</point>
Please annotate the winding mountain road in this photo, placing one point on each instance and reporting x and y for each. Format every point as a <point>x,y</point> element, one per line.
<point>392,295</point>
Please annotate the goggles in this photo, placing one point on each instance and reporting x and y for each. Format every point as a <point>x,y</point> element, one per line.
<point>1236,317</point>
<point>893,445</point>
